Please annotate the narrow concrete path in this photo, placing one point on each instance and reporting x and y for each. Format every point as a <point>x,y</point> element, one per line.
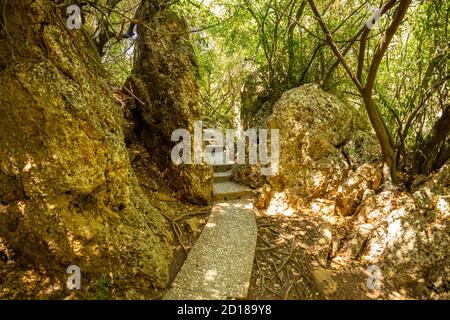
<point>219,266</point>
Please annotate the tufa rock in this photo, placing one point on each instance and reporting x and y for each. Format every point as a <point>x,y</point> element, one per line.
<point>321,140</point>
<point>166,98</point>
<point>68,194</point>
<point>407,234</point>
<point>350,194</point>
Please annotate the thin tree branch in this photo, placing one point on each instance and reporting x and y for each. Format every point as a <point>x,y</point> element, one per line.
<point>333,46</point>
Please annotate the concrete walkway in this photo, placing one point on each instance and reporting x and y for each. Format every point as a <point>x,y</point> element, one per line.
<point>219,266</point>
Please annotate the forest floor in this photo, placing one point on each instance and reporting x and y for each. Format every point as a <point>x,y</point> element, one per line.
<point>286,264</point>
<point>291,259</point>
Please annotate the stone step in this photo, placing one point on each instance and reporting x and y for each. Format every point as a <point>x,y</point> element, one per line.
<point>222,167</point>
<point>222,176</point>
<point>219,266</point>
<point>230,191</point>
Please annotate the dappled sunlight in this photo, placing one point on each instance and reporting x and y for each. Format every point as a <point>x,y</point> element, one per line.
<point>223,204</point>
<point>395,227</point>
<point>322,206</point>
<point>278,206</point>
<point>237,205</point>
<point>21,206</point>
<point>76,245</point>
<point>375,250</point>
<point>319,179</point>
<point>37,282</point>
<point>28,166</point>
<point>210,225</point>
<point>409,244</point>
<point>210,275</point>
<point>443,206</point>
<point>103,167</point>
<point>248,206</point>
<point>288,250</point>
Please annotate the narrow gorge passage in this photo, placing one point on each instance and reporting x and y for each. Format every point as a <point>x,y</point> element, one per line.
<point>105,192</point>
<point>219,265</point>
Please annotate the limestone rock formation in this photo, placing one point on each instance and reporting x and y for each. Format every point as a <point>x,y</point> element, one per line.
<point>253,98</point>
<point>249,175</point>
<point>351,192</point>
<point>321,141</point>
<point>406,234</point>
<point>264,197</point>
<point>165,97</point>
<point>68,195</point>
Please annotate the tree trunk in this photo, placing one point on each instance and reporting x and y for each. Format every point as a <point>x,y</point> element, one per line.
<point>384,137</point>
<point>291,52</point>
<point>428,156</point>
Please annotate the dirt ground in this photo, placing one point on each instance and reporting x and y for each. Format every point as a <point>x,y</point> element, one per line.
<point>291,262</point>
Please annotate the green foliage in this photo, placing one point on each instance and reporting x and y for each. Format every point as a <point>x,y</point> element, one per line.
<point>278,45</point>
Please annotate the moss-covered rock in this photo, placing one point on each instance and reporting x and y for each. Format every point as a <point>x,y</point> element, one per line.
<point>68,194</point>
<point>166,98</point>
<point>321,141</point>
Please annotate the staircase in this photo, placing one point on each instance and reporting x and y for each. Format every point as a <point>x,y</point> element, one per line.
<point>219,266</point>
<point>224,189</point>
